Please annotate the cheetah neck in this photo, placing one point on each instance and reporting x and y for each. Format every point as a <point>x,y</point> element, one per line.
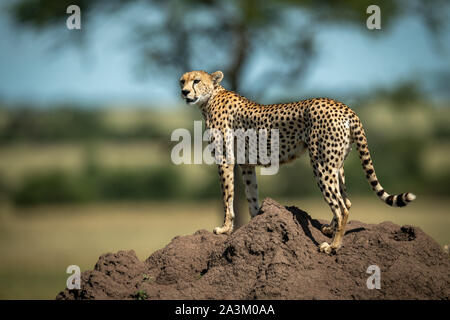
<point>220,93</point>
<point>208,104</point>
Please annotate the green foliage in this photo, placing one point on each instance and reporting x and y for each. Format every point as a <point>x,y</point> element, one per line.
<point>5,189</point>
<point>146,277</point>
<point>140,295</point>
<point>157,184</point>
<point>67,123</point>
<point>63,123</point>
<point>102,185</point>
<point>52,187</point>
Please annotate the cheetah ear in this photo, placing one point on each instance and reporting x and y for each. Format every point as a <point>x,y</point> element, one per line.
<point>217,76</point>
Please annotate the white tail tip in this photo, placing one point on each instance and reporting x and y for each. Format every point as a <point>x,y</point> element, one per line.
<point>410,196</point>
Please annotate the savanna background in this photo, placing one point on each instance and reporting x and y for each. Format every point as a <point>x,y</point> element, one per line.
<point>86,118</point>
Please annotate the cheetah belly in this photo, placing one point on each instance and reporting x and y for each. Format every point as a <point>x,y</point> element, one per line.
<point>294,153</point>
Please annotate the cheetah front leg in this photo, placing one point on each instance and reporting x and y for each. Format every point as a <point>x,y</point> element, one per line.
<point>227,182</point>
<point>251,189</point>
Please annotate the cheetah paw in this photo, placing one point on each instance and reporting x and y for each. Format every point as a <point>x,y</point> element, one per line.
<point>222,230</point>
<point>326,248</point>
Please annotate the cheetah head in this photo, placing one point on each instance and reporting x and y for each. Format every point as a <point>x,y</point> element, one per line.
<point>198,86</point>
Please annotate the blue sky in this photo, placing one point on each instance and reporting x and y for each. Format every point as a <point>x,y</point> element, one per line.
<point>103,72</point>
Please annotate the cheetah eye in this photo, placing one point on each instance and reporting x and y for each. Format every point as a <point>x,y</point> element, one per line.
<point>196,81</point>
<point>182,82</point>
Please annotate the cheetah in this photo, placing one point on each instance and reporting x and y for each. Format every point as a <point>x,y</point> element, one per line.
<point>324,127</point>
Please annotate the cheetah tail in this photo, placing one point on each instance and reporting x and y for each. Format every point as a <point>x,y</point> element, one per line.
<point>399,200</point>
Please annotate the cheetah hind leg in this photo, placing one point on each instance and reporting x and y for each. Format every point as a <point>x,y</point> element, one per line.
<point>343,188</point>
<point>251,189</point>
<point>340,214</point>
<point>341,219</point>
<point>328,229</point>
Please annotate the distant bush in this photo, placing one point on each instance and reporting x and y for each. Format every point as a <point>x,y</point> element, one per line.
<point>62,187</point>
<point>51,187</point>
<point>156,184</point>
<point>67,123</point>
<point>4,188</point>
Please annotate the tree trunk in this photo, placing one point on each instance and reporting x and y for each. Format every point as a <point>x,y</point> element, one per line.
<point>240,54</point>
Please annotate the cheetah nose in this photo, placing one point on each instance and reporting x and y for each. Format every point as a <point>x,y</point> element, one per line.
<point>185,92</point>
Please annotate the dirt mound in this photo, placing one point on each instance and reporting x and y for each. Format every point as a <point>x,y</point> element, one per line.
<point>276,256</point>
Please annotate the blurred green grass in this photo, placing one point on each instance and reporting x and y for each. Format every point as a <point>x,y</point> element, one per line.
<point>37,244</point>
